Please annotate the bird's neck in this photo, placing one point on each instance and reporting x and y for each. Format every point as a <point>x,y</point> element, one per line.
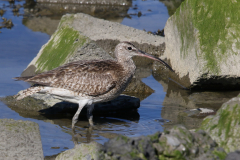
<point>128,64</point>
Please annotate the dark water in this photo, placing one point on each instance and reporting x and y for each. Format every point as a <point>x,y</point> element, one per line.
<point>162,109</point>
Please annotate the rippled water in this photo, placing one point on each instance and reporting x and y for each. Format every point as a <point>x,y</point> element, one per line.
<point>163,108</point>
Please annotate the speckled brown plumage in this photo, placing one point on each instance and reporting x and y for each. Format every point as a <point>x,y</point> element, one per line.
<point>89,82</point>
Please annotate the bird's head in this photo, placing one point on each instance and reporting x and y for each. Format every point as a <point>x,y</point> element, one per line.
<point>127,50</point>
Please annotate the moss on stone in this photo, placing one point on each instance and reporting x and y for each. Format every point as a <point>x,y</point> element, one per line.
<point>178,155</point>
<point>66,20</point>
<point>215,24</point>
<point>205,122</point>
<point>63,44</point>
<point>224,127</point>
<point>154,137</point>
<point>220,154</point>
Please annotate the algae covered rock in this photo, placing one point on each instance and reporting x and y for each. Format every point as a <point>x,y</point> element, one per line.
<point>76,37</point>
<point>224,127</point>
<point>20,140</point>
<point>83,151</point>
<point>177,143</point>
<point>203,44</point>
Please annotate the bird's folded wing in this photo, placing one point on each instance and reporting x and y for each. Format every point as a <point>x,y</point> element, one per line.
<point>90,78</point>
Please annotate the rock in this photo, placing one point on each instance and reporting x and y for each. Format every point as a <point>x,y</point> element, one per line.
<point>124,148</point>
<point>138,89</point>
<point>7,23</point>
<point>81,30</point>
<point>83,151</point>
<point>49,106</point>
<point>233,155</point>
<point>202,44</point>
<point>20,140</point>
<point>2,12</point>
<point>177,143</point>
<point>224,127</point>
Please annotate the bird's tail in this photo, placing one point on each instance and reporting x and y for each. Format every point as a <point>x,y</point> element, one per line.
<point>28,92</point>
<point>22,78</point>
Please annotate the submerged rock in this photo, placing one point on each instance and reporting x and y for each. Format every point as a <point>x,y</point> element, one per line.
<point>20,140</point>
<point>49,106</point>
<point>7,23</point>
<point>224,127</point>
<point>203,46</point>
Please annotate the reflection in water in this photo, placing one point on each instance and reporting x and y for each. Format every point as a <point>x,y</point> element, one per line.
<point>45,17</point>
<point>178,100</point>
<point>171,5</point>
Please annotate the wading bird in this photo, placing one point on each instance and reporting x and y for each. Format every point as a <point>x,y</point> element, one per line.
<point>88,82</point>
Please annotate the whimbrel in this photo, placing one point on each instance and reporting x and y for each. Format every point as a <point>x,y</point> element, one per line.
<point>89,82</point>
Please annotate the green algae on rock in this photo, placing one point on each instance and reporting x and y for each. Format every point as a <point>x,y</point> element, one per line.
<point>62,44</point>
<point>177,143</point>
<point>224,127</point>
<point>75,32</point>
<point>202,40</point>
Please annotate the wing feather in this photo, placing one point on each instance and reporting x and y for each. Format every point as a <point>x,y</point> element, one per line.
<point>86,77</point>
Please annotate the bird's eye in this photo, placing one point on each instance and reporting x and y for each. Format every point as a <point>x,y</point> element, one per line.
<point>129,48</point>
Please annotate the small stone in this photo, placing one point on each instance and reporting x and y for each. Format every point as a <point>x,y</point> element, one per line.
<point>139,14</point>
<point>158,147</point>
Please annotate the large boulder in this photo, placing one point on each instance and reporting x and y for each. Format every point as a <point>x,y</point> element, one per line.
<point>224,127</point>
<point>20,140</point>
<point>203,44</point>
<point>76,36</point>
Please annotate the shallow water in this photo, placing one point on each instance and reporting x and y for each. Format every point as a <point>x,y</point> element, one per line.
<point>162,109</point>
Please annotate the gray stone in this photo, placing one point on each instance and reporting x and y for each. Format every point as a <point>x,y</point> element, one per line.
<point>83,151</point>
<point>81,30</point>
<point>177,143</point>
<point>20,140</point>
<point>233,155</point>
<point>203,46</point>
<point>224,127</point>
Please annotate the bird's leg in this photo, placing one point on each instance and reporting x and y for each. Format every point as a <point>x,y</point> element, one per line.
<point>81,104</point>
<point>89,114</point>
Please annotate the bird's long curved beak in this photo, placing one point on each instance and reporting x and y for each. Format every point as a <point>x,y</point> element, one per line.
<point>143,54</point>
